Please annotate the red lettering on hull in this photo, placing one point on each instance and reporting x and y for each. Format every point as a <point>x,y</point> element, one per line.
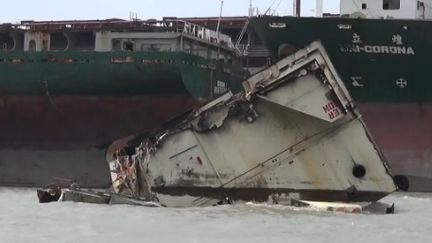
<point>332,110</point>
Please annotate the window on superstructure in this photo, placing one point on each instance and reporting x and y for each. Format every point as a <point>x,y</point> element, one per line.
<point>82,41</point>
<point>6,42</point>
<point>420,5</point>
<point>116,45</point>
<point>58,41</point>
<point>44,45</point>
<point>391,4</point>
<point>32,45</point>
<point>364,5</point>
<point>128,46</point>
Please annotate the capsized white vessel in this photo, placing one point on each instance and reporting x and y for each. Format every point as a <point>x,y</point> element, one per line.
<point>293,133</point>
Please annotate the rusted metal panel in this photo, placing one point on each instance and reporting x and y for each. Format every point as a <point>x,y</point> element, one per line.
<point>228,23</point>
<point>44,138</point>
<point>294,133</point>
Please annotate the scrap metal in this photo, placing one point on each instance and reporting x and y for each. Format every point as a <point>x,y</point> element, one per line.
<point>294,133</point>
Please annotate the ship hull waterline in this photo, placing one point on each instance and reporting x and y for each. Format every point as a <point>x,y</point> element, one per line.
<point>46,140</point>
<point>59,111</point>
<point>404,134</point>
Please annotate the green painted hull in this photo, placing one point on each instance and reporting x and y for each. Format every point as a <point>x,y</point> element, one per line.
<point>111,73</point>
<point>59,111</point>
<point>380,60</point>
<point>385,66</point>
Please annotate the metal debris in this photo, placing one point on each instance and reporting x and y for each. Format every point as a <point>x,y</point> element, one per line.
<point>294,133</point>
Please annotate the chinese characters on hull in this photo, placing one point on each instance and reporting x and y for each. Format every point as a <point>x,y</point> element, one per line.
<point>396,48</point>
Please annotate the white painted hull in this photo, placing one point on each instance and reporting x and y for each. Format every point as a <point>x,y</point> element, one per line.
<point>294,133</point>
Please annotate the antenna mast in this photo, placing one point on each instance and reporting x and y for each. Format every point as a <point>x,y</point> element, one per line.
<point>297,8</point>
<point>251,10</point>
<point>319,8</point>
<point>219,20</point>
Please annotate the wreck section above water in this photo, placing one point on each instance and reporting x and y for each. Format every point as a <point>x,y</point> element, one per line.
<point>293,133</point>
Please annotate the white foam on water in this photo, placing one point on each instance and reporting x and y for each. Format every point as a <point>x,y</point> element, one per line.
<point>23,219</point>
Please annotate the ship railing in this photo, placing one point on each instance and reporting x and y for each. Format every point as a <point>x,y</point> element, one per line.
<point>207,34</point>
<point>151,25</point>
<point>243,49</point>
<point>180,26</point>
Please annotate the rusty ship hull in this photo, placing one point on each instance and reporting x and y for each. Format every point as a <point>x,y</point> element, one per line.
<point>403,131</point>
<point>50,137</point>
<point>66,86</point>
<point>40,143</point>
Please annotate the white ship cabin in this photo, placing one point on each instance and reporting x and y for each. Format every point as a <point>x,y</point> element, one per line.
<point>388,9</point>
<point>118,35</point>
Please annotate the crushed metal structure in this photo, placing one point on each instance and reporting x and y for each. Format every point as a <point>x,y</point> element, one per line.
<point>293,133</point>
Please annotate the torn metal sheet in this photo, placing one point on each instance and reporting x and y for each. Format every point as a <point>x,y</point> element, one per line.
<point>330,206</point>
<point>56,193</point>
<point>293,133</point>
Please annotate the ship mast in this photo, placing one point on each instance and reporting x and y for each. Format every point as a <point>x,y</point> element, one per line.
<point>219,20</point>
<point>297,8</point>
<point>218,29</point>
<point>319,8</point>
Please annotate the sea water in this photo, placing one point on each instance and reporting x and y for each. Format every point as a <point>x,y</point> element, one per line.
<point>23,219</point>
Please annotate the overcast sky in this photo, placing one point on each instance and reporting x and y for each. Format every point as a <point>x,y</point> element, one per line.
<point>13,11</point>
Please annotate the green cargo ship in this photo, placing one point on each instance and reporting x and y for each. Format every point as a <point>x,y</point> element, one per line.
<point>385,65</point>
<point>69,88</point>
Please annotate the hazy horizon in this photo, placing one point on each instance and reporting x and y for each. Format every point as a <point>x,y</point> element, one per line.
<point>146,9</point>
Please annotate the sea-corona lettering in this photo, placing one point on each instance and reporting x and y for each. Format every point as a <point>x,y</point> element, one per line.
<point>378,49</point>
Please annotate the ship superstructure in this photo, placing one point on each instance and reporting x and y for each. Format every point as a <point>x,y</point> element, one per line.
<point>388,9</point>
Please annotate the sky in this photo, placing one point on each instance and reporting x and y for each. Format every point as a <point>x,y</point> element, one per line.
<point>15,11</point>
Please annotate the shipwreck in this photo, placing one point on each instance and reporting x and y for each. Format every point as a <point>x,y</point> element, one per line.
<point>293,133</point>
